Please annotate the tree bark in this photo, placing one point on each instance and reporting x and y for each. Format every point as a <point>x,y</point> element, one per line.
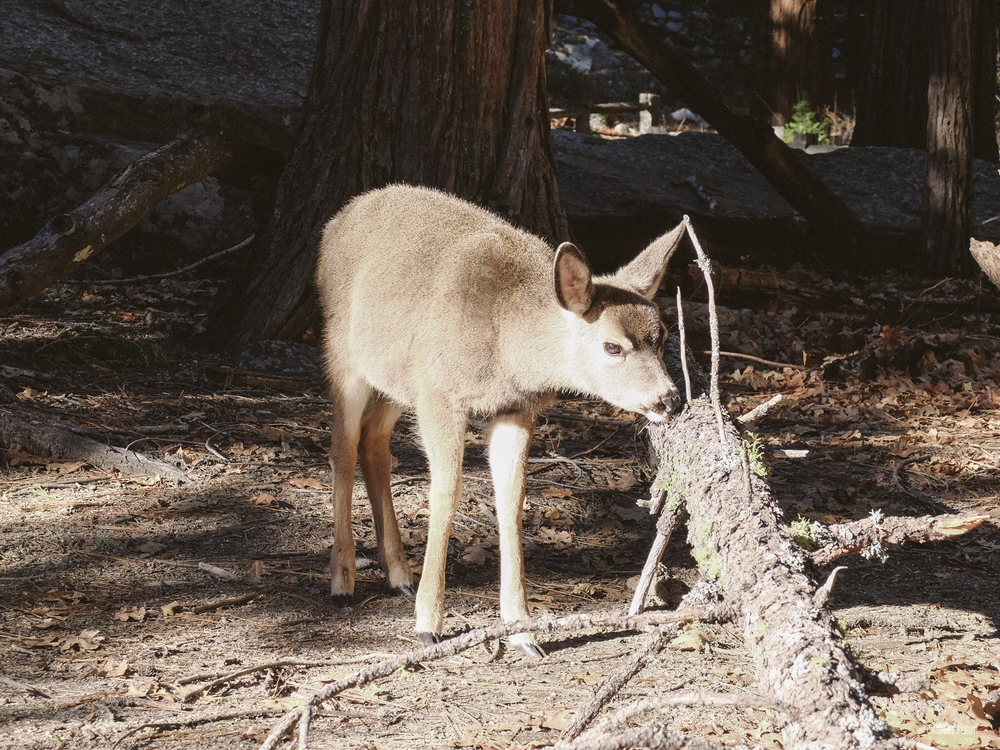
<point>69,239</point>
<point>737,537</point>
<point>891,108</point>
<point>834,225</point>
<point>791,58</point>
<point>446,94</point>
<point>947,224</point>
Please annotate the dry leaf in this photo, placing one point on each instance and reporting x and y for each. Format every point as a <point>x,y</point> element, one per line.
<point>130,613</point>
<point>111,668</point>
<point>559,720</point>
<point>553,491</point>
<point>691,640</point>
<point>265,499</point>
<point>88,640</point>
<point>169,610</point>
<point>475,554</point>
<point>308,483</point>
<point>140,688</point>
<point>626,481</point>
<point>255,571</point>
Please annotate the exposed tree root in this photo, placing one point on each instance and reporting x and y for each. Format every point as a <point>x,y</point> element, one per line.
<point>49,438</point>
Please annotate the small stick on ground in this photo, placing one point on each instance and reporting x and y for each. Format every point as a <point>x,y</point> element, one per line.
<point>666,524</point>
<point>473,638</point>
<point>169,274</point>
<point>193,721</point>
<point>757,413</point>
<point>611,685</point>
<point>697,698</point>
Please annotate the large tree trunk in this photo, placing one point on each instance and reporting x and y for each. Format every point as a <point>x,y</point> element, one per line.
<point>891,107</point>
<point>893,73</point>
<point>948,191</point>
<point>446,93</point>
<point>791,58</point>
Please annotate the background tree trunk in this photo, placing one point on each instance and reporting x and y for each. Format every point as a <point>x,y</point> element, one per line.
<point>893,72</point>
<point>948,191</point>
<point>444,93</point>
<point>791,58</point>
<point>985,17</point>
<point>891,106</point>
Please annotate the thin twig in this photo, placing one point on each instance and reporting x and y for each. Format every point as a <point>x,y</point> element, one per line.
<point>771,363</point>
<point>655,738</point>
<point>697,698</point>
<point>611,685</point>
<point>759,411</point>
<point>169,274</point>
<point>665,526</point>
<point>683,347</point>
<point>713,326</point>
<point>22,686</point>
<point>473,638</point>
<point>194,721</point>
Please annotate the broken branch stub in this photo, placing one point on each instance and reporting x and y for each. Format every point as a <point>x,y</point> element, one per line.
<point>70,239</point>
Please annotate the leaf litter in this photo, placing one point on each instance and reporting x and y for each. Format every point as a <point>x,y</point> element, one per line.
<point>108,606</point>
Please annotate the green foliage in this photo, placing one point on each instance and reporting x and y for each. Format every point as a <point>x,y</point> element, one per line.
<point>802,533</point>
<point>755,454</point>
<point>56,293</point>
<point>806,120</point>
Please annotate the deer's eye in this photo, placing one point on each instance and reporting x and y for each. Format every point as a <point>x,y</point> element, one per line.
<point>613,349</point>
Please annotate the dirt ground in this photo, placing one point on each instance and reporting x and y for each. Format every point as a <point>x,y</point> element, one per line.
<point>113,613</point>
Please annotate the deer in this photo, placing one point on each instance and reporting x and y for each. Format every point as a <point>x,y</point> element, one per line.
<point>436,305</point>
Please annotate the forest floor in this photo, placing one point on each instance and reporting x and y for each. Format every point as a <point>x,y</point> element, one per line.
<point>107,622</point>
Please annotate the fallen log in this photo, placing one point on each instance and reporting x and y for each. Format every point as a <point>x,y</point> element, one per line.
<point>738,539</point>
<point>69,239</point>
<point>46,437</point>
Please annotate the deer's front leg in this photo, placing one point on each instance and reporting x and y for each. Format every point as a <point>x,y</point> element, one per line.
<point>442,432</point>
<point>510,439</point>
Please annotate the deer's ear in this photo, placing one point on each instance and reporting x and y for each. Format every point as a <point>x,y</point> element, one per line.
<point>645,272</point>
<point>573,279</point>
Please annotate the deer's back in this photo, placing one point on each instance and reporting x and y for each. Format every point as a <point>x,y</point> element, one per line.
<point>420,289</point>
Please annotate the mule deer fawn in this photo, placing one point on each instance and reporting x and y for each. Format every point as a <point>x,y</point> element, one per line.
<point>434,304</point>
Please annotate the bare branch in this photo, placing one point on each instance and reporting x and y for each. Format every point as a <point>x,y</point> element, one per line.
<point>847,538</point>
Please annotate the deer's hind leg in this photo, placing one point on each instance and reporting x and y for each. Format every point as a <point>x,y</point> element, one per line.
<point>376,467</point>
<point>349,398</point>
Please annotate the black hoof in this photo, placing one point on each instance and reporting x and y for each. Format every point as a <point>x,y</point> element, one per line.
<point>405,591</point>
<point>342,601</point>
<point>429,639</point>
<point>531,650</point>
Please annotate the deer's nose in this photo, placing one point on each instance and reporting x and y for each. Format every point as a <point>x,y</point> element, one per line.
<point>668,403</point>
